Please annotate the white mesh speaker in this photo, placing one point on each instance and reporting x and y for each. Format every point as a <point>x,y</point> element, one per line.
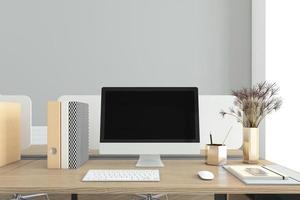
<point>75,134</point>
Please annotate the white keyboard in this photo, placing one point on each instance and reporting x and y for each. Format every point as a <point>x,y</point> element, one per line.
<point>121,175</point>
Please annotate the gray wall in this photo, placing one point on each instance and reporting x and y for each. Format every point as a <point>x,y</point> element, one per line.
<point>51,48</point>
<point>259,58</point>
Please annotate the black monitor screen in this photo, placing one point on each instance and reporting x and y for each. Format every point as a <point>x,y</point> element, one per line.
<point>149,115</point>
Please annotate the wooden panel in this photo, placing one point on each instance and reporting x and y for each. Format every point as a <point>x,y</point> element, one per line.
<point>35,150</point>
<point>10,144</point>
<point>58,197</point>
<point>7,168</point>
<point>53,153</point>
<point>25,116</point>
<point>41,150</point>
<point>177,177</point>
<point>38,150</point>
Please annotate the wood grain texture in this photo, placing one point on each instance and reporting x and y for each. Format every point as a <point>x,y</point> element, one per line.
<point>35,150</point>
<point>53,120</point>
<point>40,150</point>
<point>12,166</point>
<point>10,144</point>
<point>177,177</point>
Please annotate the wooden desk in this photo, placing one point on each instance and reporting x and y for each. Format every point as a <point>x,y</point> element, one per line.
<point>177,177</point>
<point>41,150</point>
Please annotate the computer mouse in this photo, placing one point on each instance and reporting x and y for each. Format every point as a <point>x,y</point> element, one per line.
<point>206,175</point>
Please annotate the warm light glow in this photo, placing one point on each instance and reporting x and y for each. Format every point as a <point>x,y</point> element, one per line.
<point>283,67</point>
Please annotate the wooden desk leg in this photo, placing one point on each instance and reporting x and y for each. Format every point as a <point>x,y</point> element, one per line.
<point>74,197</point>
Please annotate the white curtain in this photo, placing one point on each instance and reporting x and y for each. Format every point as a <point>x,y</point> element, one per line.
<point>283,67</point>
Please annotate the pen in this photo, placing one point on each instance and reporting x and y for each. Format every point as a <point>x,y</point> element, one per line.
<point>211,141</point>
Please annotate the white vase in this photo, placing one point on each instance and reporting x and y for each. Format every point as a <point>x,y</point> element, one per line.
<point>251,145</point>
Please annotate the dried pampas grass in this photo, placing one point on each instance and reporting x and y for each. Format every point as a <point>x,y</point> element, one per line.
<point>253,104</point>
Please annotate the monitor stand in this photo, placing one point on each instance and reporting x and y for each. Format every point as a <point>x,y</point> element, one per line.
<point>149,161</point>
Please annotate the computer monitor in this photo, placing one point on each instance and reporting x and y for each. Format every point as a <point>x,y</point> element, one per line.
<point>149,122</point>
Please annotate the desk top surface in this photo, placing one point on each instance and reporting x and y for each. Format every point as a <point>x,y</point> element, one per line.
<point>178,176</point>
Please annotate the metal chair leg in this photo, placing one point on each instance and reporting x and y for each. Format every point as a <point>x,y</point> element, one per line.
<point>25,197</point>
<point>150,196</point>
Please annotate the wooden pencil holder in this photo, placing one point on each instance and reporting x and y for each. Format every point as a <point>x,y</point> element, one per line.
<point>216,154</point>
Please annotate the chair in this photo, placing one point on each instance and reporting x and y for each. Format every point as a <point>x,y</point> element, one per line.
<point>25,197</point>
